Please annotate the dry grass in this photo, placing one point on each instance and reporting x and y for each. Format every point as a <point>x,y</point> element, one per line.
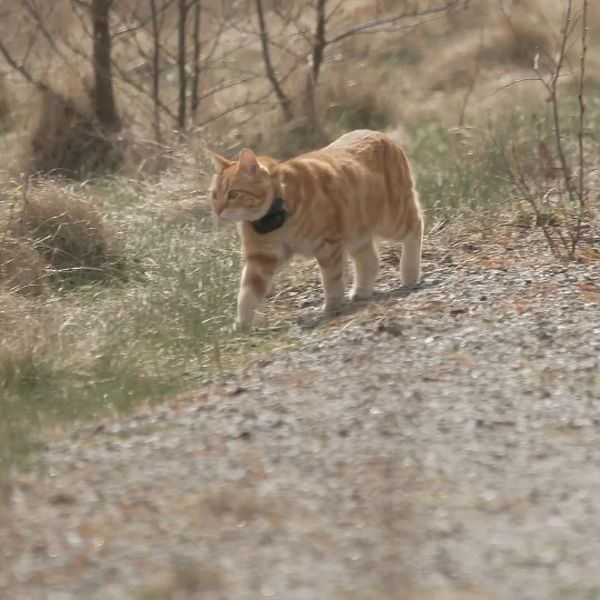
<point>66,140</point>
<point>22,269</point>
<point>108,344</point>
<point>518,39</point>
<point>26,362</point>
<point>359,101</point>
<point>481,54</point>
<point>67,231</point>
<point>186,580</point>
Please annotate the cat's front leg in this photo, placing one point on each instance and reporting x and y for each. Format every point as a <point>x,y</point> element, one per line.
<point>331,262</point>
<point>256,279</point>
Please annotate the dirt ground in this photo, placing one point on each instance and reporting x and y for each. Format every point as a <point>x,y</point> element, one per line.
<point>436,443</point>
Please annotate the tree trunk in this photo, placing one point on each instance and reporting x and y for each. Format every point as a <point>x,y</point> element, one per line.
<point>196,64</point>
<point>104,99</point>
<point>319,41</point>
<point>181,66</point>
<point>156,70</point>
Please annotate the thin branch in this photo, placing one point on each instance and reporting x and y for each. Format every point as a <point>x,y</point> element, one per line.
<point>517,81</point>
<point>519,178</point>
<point>225,85</point>
<point>230,109</point>
<point>284,101</point>
<point>20,68</point>
<point>553,86</point>
<point>581,101</point>
<point>376,25</point>
<point>33,12</point>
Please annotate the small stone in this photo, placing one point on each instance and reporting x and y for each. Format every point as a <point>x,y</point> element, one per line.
<point>61,498</point>
<point>236,391</point>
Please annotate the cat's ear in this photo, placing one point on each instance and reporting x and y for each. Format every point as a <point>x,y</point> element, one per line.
<point>249,164</point>
<point>220,162</point>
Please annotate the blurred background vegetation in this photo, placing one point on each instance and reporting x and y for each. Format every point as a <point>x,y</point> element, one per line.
<point>116,285</point>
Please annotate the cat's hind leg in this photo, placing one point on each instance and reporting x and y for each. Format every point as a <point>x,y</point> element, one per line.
<point>410,262</point>
<point>331,261</point>
<point>366,268</point>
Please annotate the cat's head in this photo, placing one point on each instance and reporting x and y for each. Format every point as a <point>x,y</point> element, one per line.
<point>241,189</point>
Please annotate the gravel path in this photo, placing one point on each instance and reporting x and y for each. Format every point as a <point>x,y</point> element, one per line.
<point>438,444</point>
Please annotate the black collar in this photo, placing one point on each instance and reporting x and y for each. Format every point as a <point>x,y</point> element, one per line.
<point>274,219</point>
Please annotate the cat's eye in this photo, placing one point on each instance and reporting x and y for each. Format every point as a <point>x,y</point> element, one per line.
<point>231,194</point>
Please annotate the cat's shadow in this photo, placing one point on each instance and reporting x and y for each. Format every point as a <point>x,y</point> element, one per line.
<point>316,317</point>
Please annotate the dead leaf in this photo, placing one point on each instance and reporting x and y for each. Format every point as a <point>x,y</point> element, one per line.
<point>591,296</point>
<point>80,561</point>
<point>464,359</point>
<point>491,262</point>
<point>520,307</point>
<point>87,530</point>
<point>587,286</point>
<point>589,255</point>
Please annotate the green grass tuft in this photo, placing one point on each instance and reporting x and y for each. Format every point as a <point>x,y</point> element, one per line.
<point>104,347</point>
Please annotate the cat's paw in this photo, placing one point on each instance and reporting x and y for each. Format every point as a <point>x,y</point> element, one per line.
<point>333,306</point>
<point>360,294</point>
<point>240,327</point>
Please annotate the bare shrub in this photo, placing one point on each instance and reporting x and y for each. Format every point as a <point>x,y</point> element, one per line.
<point>358,102</point>
<point>566,159</point>
<point>471,17</point>
<point>21,365</point>
<point>512,44</point>
<point>22,269</point>
<point>365,109</point>
<point>454,72</point>
<point>25,354</point>
<point>519,39</point>
<point>66,139</point>
<point>270,133</point>
<point>68,231</point>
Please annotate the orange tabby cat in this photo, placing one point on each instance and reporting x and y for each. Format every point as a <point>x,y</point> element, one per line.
<point>323,204</point>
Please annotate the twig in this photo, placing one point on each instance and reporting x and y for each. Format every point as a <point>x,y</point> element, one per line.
<point>552,87</point>
<point>520,179</point>
<point>284,100</point>
<point>581,101</point>
<point>376,25</point>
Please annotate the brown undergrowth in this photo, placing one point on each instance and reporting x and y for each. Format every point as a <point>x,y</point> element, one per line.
<point>66,140</point>
<point>117,291</point>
